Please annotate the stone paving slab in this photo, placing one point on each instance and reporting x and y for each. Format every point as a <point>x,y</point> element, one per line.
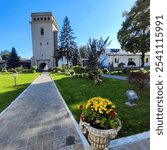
<point>38,120</point>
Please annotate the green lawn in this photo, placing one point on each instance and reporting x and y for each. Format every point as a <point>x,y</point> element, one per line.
<point>78,91</point>
<point>8,92</point>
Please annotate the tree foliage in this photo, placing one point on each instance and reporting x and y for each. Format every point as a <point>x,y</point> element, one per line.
<point>13,60</point>
<point>76,58</point>
<point>84,52</point>
<point>96,49</point>
<point>5,55</point>
<point>66,40</point>
<point>134,36</point>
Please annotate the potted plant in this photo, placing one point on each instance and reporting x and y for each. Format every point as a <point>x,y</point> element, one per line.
<point>100,122</point>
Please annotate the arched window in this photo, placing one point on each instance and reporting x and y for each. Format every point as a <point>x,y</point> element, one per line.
<point>42,31</point>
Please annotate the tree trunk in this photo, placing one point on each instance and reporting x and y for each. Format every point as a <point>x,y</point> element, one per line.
<point>142,59</point>
<point>56,61</point>
<point>67,59</point>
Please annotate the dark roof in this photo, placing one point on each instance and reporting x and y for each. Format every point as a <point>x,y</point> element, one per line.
<point>114,50</point>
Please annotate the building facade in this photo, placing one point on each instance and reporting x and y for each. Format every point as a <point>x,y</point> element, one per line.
<point>116,56</point>
<point>44,30</point>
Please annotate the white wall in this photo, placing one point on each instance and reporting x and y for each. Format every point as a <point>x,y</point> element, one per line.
<point>125,59</point>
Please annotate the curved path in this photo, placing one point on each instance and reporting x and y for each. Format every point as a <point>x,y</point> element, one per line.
<point>38,120</point>
<point>114,76</point>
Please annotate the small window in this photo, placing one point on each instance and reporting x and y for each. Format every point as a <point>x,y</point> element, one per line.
<point>34,19</point>
<point>38,19</point>
<point>44,18</point>
<point>48,18</point>
<point>40,43</point>
<point>47,43</point>
<point>42,31</point>
<point>41,18</point>
<point>116,60</point>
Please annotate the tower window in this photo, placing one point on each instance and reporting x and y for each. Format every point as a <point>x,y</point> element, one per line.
<point>42,31</point>
<point>41,18</point>
<point>37,18</point>
<point>34,19</point>
<point>44,18</point>
<point>48,18</point>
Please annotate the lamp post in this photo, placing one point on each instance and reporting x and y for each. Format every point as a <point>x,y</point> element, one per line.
<point>15,74</point>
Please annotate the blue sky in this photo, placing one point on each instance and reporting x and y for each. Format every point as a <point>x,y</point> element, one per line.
<point>88,18</point>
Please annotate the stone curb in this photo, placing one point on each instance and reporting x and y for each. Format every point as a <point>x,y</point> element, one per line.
<point>130,139</point>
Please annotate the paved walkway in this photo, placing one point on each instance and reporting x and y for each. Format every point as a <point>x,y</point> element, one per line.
<point>114,77</point>
<point>38,120</point>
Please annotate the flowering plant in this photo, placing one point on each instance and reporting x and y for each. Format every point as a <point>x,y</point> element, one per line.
<point>100,113</point>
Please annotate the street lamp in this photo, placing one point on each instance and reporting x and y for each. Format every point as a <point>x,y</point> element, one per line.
<point>15,74</point>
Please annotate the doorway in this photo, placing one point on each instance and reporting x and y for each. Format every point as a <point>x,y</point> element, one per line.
<point>43,67</point>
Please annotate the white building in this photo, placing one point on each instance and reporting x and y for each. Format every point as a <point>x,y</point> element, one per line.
<point>44,40</point>
<point>117,56</point>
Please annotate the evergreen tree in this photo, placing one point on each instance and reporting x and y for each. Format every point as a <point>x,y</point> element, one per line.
<point>13,60</point>
<point>76,58</point>
<point>134,36</point>
<point>84,52</point>
<point>67,44</point>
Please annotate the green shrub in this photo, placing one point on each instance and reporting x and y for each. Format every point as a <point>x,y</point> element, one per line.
<point>91,75</point>
<point>3,69</point>
<point>105,70</point>
<point>72,72</point>
<point>64,68</point>
<point>11,70</point>
<point>26,70</point>
<point>58,70</point>
<point>131,63</point>
<point>79,70</point>
<point>85,75</point>
<point>19,69</point>
<point>126,70</point>
<point>121,65</point>
<point>33,69</point>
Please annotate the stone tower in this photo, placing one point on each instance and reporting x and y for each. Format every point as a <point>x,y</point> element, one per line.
<point>44,30</point>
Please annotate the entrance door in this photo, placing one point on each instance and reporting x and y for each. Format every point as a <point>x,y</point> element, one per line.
<point>43,66</point>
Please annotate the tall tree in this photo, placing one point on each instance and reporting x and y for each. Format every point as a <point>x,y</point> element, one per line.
<point>134,36</point>
<point>5,54</point>
<point>13,60</point>
<point>66,40</point>
<point>76,58</point>
<point>84,51</point>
